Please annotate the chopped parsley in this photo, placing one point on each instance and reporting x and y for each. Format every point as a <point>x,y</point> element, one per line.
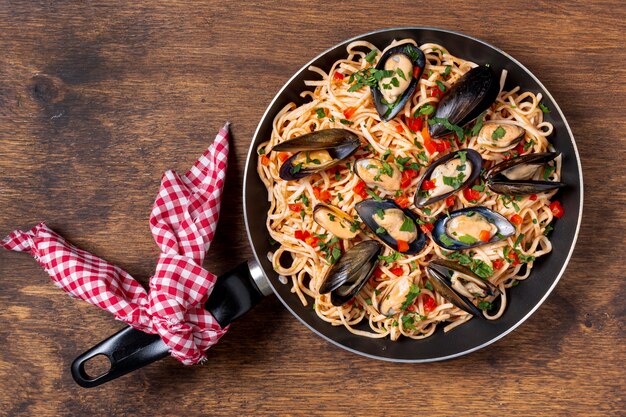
<point>407,225</point>
<point>391,258</point>
<point>498,133</point>
<point>425,110</point>
<point>454,182</point>
<point>302,198</point>
<point>441,86</point>
<point>380,213</point>
<point>261,150</point>
<point>467,239</point>
<point>296,168</point>
<point>444,121</point>
<point>368,76</point>
<point>429,286</point>
<point>381,231</point>
<point>446,72</point>
<point>479,124</point>
<point>373,195</point>
<point>321,113</point>
<point>485,305</point>
<point>345,122</point>
<point>371,56</point>
<point>544,108</point>
<point>446,240</point>
<point>414,291</point>
<point>330,249</point>
<point>477,266</point>
<point>411,52</point>
<point>549,228</point>
<point>548,171</point>
<point>354,226</point>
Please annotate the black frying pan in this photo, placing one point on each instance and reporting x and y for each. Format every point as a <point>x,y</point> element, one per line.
<point>239,290</point>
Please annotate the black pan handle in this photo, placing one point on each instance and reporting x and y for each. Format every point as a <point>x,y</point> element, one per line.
<point>234,294</point>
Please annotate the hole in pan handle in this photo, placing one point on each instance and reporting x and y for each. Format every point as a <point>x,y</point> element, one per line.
<point>234,294</point>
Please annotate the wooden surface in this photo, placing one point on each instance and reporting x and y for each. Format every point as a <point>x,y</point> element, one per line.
<point>97,100</point>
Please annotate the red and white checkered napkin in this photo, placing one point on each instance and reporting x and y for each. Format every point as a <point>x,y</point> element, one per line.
<point>183,222</point>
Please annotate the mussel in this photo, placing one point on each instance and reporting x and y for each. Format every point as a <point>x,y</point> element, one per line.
<point>497,137</point>
<point>471,227</point>
<point>468,97</point>
<point>335,221</point>
<point>460,285</point>
<point>394,226</point>
<point>514,176</point>
<point>348,275</point>
<point>447,175</point>
<point>316,152</point>
<point>375,172</point>
<point>395,295</point>
<point>403,66</point>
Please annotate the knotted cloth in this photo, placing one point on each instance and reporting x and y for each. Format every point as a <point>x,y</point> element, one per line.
<point>183,222</point>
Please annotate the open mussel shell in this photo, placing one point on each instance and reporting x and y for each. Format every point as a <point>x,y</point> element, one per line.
<point>459,285</point>
<point>514,176</point>
<point>351,271</point>
<point>502,228</point>
<point>368,209</point>
<point>388,111</point>
<point>375,173</point>
<point>472,157</point>
<point>335,221</point>
<point>339,143</point>
<point>468,97</point>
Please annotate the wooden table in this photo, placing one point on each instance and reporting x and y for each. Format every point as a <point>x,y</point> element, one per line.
<point>96,101</point>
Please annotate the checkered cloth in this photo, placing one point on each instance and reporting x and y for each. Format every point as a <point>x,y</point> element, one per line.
<point>183,222</point>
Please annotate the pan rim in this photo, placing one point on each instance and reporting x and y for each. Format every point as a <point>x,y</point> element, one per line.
<point>499,336</point>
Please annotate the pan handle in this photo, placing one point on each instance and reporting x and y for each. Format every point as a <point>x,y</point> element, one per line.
<point>234,294</point>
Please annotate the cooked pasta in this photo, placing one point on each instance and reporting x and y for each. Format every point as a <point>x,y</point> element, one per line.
<point>304,252</point>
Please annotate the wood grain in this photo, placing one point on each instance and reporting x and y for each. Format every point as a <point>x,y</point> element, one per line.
<point>97,100</point>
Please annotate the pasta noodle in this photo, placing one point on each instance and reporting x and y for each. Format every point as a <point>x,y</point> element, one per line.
<point>300,262</point>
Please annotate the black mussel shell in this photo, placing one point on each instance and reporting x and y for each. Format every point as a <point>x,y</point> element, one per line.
<point>441,238</point>
<point>348,275</point>
<point>418,59</point>
<point>498,181</point>
<point>472,94</point>
<point>367,210</point>
<point>439,274</point>
<point>472,156</point>
<point>340,144</point>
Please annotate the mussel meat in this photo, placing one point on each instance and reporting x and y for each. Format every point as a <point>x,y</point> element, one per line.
<point>351,271</point>
<point>515,176</point>
<point>316,152</point>
<point>403,66</point>
<point>394,226</point>
<point>395,295</point>
<point>497,137</point>
<point>447,175</point>
<point>460,285</point>
<point>471,227</point>
<point>335,221</point>
<point>377,173</point>
<point>468,97</point>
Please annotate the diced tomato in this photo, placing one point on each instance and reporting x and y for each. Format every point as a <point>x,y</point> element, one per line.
<point>316,192</point>
<point>349,112</point>
<point>265,160</point>
<point>484,235</point>
<point>414,123</point>
<point>403,246</point>
<point>407,177</point>
<point>378,273</point>
<point>450,201</point>
<point>533,197</point>
<point>520,148</point>
<point>337,76</point>
<point>295,207</point>
<point>498,263</point>
<point>428,184</point>
<point>397,271</point>
<point>416,71</point>
<point>283,156</point>
<point>360,189</point>
<point>516,219</point>
<point>301,234</point>
<point>428,144</point>
<point>471,195</point>
<point>312,241</point>
<point>441,145</point>
<point>513,257</point>
<point>325,195</point>
<point>427,228</point>
<point>436,92</point>
<point>411,308</point>
<point>399,128</point>
<point>557,209</point>
<point>402,201</point>
<point>429,303</point>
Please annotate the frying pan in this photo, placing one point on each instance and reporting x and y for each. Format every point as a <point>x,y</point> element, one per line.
<point>243,287</point>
